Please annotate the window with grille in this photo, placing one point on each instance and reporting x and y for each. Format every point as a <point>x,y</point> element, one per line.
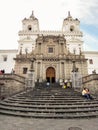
<point>90,61</point>
<point>50,50</point>
<point>5,58</point>
<point>25,70</point>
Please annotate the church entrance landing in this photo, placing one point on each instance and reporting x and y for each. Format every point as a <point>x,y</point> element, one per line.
<point>50,75</point>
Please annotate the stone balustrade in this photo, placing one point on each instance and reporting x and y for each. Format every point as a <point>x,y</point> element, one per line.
<point>11,84</point>
<point>89,78</point>
<point>91,82</point>
<point>13,76</point>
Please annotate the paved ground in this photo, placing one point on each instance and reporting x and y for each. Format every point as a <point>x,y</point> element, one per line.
<point>18,123</point>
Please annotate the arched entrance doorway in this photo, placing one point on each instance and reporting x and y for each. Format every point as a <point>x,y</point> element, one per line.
<point>50,75</point>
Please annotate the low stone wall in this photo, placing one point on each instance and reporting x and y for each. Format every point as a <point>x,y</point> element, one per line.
<point>91,82</point>
<point>12,87</point>
<point>12,76</point>
<point>11,84</point>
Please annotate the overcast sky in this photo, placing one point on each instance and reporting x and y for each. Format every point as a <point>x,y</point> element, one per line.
<point>50,14</point>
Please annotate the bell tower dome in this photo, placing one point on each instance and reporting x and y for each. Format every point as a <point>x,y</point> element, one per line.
<point>73,34</point>
<point>30,24</point>
<point>70,24</point>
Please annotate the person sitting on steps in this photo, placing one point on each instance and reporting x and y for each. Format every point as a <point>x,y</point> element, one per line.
<point>86,93</point>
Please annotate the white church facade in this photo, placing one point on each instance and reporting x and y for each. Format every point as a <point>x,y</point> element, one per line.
<point>54,52</point>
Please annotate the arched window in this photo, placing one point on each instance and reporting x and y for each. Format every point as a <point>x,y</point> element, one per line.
<point>71,28</point>
<point>29,27</point>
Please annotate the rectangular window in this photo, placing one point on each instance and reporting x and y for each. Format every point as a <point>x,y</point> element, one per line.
<point>25,70</point>
<point>50,50</point>
<point>90,61</point>
<point>5,58</point>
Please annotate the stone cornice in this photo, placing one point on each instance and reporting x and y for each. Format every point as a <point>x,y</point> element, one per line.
<point>69,57</point>
<point>75,33</point>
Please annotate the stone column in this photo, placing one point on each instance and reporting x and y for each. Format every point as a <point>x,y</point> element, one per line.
<point>76,77</point>
<point>30,78</point>
<point>63,76</point>
<point>38,70</point>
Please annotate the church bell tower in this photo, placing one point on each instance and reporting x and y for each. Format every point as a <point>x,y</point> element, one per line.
<point>73,34</point>
<point>27,37</point>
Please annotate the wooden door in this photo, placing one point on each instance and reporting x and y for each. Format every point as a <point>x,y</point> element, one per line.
<point>50,74</point>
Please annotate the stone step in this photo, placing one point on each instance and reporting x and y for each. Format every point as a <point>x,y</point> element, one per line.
<point>51,115</point>
<point>47,95</point>
<point>59,92</point>
<point>49,103</point>
<point>85,102</point>
<point>49,110</point>
<point>46,98</point>
<point>50,93</point>
<point>47,106</point>
<point>49,98</point>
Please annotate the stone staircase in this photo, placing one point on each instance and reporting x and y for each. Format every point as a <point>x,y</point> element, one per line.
<point>49,102</point>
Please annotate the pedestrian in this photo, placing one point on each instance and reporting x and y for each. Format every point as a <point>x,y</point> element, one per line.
<point>86,93</point>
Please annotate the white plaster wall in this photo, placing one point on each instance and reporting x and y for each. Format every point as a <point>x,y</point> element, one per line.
<point>9,64</point>
<point>94,56</point>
